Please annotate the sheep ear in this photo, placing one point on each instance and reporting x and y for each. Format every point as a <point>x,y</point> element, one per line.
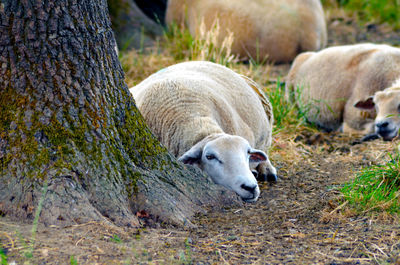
<point>192,156</point>
<point>367,104</point>
<point>257,156</point>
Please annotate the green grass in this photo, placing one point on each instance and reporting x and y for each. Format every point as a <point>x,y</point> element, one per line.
<point>377,11</point>
<point>284,113</point>
<point>288,116</point>
<point>376,188</point>
<point>179,42</point>
<point>73,261</point>
<point>3,256</point>
<point>116,239</point>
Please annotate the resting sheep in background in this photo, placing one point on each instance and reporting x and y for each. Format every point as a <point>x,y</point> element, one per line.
<point>212,117</point>
<point>341,85</point>
<point>277,29</point>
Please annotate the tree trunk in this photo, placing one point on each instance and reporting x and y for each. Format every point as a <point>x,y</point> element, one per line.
<point>70,132</point>
<point>133,29</point>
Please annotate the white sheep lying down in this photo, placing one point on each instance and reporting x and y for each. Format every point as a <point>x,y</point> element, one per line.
<point>209,116</point>
<point>340,86</point>
<point>277,29</point>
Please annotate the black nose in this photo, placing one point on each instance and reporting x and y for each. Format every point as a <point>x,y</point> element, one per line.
<point>382,124</point>
<point>249,188</point>
<point>272,177</point>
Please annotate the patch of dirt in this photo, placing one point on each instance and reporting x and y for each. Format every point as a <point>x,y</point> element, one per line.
<point>298,220</point>
<point>345,30</point>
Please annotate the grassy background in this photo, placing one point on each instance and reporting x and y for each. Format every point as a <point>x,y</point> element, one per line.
<point>370,11</point>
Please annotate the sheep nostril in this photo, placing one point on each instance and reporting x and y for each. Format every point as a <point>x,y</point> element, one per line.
<point>249,188</point>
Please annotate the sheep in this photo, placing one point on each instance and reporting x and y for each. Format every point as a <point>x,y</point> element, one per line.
<point>213,118</point>
<point>387,104</point>
<point>337,85</point>
<point>278,30</point>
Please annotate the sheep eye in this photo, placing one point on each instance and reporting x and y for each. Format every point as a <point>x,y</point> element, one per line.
<point>210,157</point>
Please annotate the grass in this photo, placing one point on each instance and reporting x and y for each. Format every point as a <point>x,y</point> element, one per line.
<point>376,188</point>
<point>178,45</point>
<point>3,256</point>
<point>376,11</point>
<point>73,261</point>
<point>208,45</point>
<point>185,257</point>
<point>286,115</point>
<point>28,246</point>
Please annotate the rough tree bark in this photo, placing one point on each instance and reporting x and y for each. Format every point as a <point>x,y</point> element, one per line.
<point>132,28</point>
<point>70,128</point>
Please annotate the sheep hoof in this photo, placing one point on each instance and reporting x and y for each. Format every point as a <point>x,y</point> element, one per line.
<point>267,177</point>
<point>366,138</point>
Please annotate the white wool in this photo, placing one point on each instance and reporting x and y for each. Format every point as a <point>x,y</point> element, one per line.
<point>278,30</point>
<point>197,105</point>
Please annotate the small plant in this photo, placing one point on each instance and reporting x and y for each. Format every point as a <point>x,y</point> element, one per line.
<point>186,256</point>
<point>116,239</point>
<point>286,113</point>
<point>376,188</point>
<point>281,109</point>
<point>372,10</point>
<point>3,257</point>
<point>28,245</point>
<point>208,45</point>
<point>178,41</point>
<point>29,251</point>
<point>73,261</point>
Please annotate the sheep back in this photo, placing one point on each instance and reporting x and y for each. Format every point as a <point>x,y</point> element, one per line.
<point>184,103</point>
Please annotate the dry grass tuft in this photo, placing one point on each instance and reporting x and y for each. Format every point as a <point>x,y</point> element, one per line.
<point>138,66</point>
<point>178,45</point>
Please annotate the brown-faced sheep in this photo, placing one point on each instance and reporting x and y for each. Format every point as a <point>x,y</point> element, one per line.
<point>212,117</point>
<point>277,29</point>
<point>337,85</point>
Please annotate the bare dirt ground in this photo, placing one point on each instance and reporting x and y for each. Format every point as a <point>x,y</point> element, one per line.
<point>298,220</point>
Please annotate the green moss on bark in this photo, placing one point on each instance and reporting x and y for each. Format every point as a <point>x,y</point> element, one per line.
<point>37,144</point>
